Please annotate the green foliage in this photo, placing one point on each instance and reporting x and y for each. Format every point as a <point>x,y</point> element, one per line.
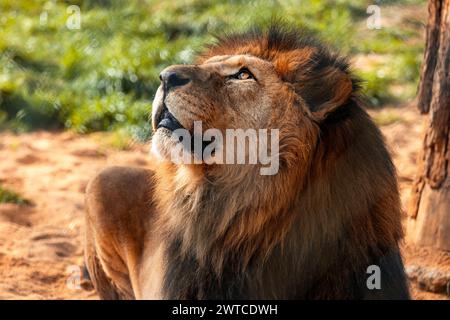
<point>8,196</point>
<point>104,75</point>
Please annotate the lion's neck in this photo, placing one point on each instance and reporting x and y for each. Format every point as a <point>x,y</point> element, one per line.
<point>215,217</point>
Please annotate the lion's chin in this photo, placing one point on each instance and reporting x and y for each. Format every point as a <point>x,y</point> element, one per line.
<point>167,146</point>
<point>162,144</point>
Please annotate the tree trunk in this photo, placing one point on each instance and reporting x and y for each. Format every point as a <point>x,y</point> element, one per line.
<point>429,210</point>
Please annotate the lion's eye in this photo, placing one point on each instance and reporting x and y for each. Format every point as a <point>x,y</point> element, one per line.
<point>243,74</point>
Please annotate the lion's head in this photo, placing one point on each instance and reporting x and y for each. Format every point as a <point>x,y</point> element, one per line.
<point>261,80</point>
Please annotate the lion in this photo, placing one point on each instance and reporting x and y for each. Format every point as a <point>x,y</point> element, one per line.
<point>224,231</point>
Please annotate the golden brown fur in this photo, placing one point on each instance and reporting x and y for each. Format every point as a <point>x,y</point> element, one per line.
<point>225,231</point>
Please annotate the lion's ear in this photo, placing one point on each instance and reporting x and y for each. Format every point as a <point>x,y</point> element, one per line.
<point>326,90</point>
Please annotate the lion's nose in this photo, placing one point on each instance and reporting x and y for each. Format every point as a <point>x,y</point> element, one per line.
<point>172,79</point>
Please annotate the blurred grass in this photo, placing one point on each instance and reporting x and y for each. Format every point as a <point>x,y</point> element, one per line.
<point>103,76</point>
<point>119,139</point>
<point>8,196</point>
<point>388,117</point>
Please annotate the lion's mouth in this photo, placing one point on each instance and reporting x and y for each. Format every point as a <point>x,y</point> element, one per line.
<point>167,120</point>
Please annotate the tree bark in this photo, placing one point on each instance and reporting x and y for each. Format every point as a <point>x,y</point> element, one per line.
<point>429,210</point>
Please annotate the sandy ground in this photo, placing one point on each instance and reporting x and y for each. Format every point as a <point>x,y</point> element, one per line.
<point>41,245</point>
